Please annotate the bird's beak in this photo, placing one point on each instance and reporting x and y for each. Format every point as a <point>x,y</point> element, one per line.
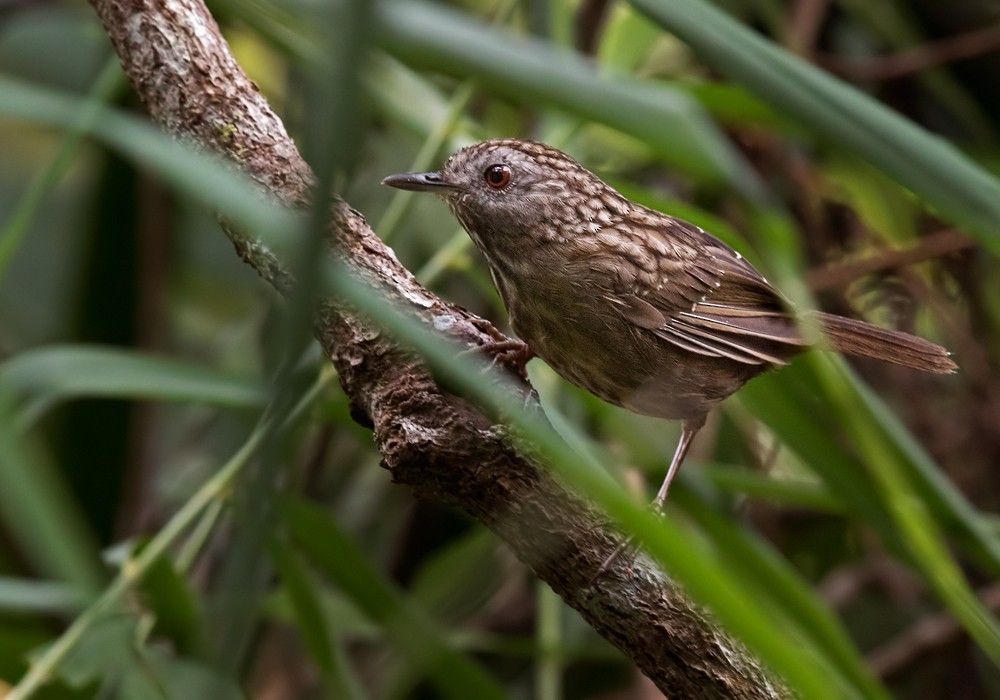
<point>419,182</point>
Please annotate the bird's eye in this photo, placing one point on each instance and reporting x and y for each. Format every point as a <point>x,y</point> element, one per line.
<point>497,176</point>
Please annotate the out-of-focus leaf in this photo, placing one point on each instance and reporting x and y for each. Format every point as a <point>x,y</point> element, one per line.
<point>105,649</point>
<point>884,207</point>
<point>37,510</point>
<point>176,607</point>
<point>11,235</point>
<point>409,98</point>
<point>941,175</point>
<point>203,177</point>
<point>34,596</point>
<point>780,590</point>
<point>52,374</point>
<point>789,493</point>
<point>794,410</point>
<point>159,677</point>
<point>333,553</point>
<point>459,578</point>
<point>627,39</point>
<point>663,118</point>
<point>303,592</point>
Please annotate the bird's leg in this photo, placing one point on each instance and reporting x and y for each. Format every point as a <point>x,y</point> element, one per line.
<point>689,428</point>
<point>504,351</point>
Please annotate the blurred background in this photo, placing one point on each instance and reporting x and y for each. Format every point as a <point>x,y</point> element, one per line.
<point>136,351</point>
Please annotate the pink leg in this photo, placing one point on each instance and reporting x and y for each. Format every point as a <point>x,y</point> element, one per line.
<point>689,428</point>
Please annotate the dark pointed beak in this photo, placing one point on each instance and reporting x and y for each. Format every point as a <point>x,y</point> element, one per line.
<point>419,182</point>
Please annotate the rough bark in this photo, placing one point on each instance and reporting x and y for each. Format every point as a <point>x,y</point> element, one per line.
<point>439,445</point>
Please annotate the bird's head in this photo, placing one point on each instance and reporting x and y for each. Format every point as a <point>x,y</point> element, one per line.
<point>509,188</point>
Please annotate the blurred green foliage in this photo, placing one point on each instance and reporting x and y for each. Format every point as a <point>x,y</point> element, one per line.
<point>187,509</point>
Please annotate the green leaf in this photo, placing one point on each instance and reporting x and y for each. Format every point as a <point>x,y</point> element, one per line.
<point>205,178</point>
<point>105,86</point>
<point>105,649</point>
<point>663,118</point>
<point>937,172</point>
<point>333,553</point>
<point>303,592</point>
<point>160,677</point>
<point>38,511</point>
<point>52,374</point>
<point>178,615</point>
<point>28,596</point>
<point>783,592</point>
<point>790,493</point>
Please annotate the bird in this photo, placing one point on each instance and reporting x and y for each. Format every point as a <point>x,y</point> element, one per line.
<point>642,309</point>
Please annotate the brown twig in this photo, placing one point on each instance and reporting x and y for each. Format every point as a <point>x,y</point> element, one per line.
<point>926,635</point>
<point>935,53</point>
<point>589,21</point>
<point>804,25</point>
<point>844,584</point>
<point>931,246</point>
<point>438,444</point>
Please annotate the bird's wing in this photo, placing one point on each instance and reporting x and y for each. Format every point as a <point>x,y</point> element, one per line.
<point>710,301</point>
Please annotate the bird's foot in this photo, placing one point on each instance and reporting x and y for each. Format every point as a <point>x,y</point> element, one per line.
<point>504,351</point>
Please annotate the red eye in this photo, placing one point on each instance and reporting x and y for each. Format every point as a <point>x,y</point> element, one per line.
<point>497,176</point>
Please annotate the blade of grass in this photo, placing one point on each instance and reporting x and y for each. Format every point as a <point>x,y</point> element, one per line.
<point>28,596</point>
<point>548,662</point>
<point>914,518</point>
<point>44,668</point>
<point>401,200</point>
<point>108,82</point>
<point>38,511</point>
<point>441,132</point>
<point>937,172</point>
<point>339,680</point>
<point>331,550</point>
<point>56,373</point>
<point>202,177</point>
<point>789,493</point>
<point>663,118</point>
<point>782,591</point>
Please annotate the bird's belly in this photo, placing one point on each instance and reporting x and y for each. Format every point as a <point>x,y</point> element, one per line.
<point>594,348</point>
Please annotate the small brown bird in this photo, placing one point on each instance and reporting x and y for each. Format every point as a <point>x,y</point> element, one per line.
<point>642,309</point>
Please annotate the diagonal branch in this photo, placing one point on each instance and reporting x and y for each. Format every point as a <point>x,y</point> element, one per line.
<point>438,444</point>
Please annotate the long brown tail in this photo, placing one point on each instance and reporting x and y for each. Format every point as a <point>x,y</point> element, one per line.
<point>859,338</point>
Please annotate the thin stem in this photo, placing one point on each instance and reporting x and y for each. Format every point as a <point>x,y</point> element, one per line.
<point>134,569</point>
<point>108,81</point>
<point>199,536</point>
<point>548,670</point>
<point>397,208</point>
<point>444,257</point>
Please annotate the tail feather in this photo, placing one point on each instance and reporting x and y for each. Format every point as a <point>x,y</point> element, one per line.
<point>859,338</point>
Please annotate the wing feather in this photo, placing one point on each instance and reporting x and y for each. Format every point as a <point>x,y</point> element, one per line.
<point>712,303</point>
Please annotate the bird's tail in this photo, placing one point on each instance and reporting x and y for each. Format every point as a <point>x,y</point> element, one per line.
<point>859,338</point>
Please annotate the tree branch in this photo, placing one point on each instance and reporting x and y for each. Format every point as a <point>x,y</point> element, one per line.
<point>438,444</point>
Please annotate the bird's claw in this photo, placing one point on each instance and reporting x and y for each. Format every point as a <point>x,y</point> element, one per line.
<point>503,350</point>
